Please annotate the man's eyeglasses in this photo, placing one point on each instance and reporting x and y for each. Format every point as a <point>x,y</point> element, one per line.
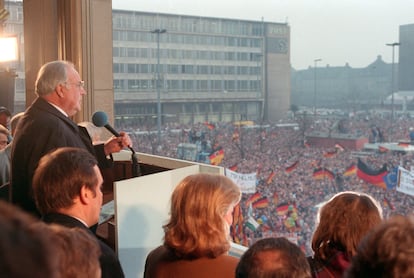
<point>80,84</point>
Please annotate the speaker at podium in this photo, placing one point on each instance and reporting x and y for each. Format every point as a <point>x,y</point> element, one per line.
<point>138,207</point>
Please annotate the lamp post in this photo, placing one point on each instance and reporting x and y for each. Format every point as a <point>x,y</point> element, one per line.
<point>393,45</point>
<point>315,62</point>
<point>259,57</point>
<point>158,32</point>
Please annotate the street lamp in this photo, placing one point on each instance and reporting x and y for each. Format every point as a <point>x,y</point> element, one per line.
<point>393,45</point>
<point>259,57</point>
<point>158,32</point>
<point>314,84</point>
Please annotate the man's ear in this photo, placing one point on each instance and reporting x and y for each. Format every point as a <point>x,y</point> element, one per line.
<point>58,90</point>
<point>85,195</point>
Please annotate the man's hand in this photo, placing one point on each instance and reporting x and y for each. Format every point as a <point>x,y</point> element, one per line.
<point>116,144</point>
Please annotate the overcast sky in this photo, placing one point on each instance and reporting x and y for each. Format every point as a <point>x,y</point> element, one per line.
<point>337,31</point>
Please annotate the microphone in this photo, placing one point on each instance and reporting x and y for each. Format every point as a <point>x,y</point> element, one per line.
<point>100,119</point>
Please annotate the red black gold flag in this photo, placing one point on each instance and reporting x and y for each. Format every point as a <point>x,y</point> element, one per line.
<point>216,157</point>
<point>323,173</point>
<point>262,203</point>
<point>375,177</point>
<point>292,167</point>
<point>351,170</point>
<point>256,196</point>
<point>330,154</point>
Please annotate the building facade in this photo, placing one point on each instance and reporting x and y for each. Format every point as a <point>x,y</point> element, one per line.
<point>406,58</point>
<point>346,88</point>
<point>199,68</point>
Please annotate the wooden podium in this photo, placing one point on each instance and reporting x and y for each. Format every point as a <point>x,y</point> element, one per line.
<point>141,204</point>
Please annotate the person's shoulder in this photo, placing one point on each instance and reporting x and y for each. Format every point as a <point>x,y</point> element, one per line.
<point>228,258</point>
<point>63,220</point>
<point>161,253</point>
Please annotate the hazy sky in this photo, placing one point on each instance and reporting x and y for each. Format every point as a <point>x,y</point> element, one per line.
<point>337,31</point>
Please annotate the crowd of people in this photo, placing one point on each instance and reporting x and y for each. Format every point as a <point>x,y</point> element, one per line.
<point>269,151</point>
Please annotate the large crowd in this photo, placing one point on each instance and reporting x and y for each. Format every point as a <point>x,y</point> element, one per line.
<point>270,150</point>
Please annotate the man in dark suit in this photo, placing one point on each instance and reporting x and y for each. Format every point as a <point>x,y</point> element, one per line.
<point>46,125</point>
<point>67,191</point>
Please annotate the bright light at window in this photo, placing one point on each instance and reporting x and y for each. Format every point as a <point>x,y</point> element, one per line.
<point>8,49</point>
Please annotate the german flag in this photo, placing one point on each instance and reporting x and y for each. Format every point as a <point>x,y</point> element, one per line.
<point>256,196</point>
<point>270,177</point>
<point>374,177</point>
<point>330,154</point>
<point>292,167</point>
<point>323,173</point>
<point>217,156</point>
<point>350,171</point>
<point>282,209</point>
<point>262,203</point>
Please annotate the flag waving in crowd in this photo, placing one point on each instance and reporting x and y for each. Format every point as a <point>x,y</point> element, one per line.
<point>350,171</point>
<point>292,167</point>
<point>217,156</point>
<point>323,173</point>
<point>372,176</point>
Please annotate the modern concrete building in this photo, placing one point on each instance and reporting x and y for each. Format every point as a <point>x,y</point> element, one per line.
<point>207,69</point>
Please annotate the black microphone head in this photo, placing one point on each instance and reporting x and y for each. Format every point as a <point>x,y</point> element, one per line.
<point>99,119</point>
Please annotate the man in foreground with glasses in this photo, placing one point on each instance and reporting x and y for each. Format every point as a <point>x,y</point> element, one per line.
<point>46,125</point>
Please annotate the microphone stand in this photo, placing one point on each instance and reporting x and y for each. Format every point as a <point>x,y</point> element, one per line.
<point>136,171</point>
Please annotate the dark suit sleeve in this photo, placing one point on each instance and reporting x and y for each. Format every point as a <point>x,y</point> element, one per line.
<point>97,150</point>
<point>103,161</point>
<point>110,265</point>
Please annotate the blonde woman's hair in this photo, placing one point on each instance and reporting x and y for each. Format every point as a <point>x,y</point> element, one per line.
<point>197,227</point>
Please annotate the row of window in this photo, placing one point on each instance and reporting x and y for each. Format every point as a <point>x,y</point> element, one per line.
<point>226,107</point>
<point>149,21</point>
<point>180,54</point>
<point>139,36</point>
<point>188,85</point>
<point>186,69</point>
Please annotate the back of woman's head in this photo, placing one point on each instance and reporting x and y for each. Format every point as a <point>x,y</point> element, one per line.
<point>197,227</point>
<point>343,221</point>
